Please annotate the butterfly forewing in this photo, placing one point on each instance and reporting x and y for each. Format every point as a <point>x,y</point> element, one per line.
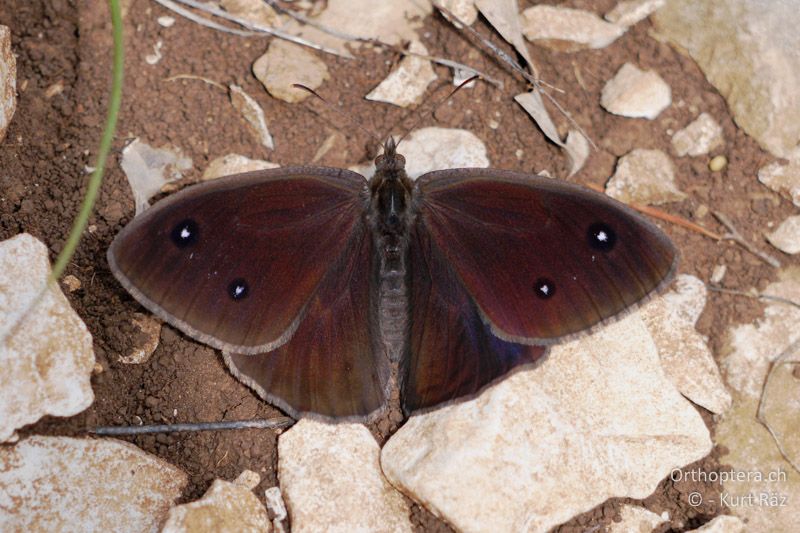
<point>541,259</point>
<point>235,262</point>
<point>331,365</point>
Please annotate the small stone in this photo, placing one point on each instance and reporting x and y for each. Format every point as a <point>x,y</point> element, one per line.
<point>722,524</point>
<point>252,114</point>
<point>700,137</point>
<point>429,149</point>
<point>406,84</point>
<point>566,30</point>
<point>787,237</point>
<point>685,356</point>
<point>636,93</point>
<point>464,10</point>
<point>166,21</point>
<point>644,177</point>
<point>225,508</point>
<point>230,164</point>
<point>717,163</point>
<point>149,334</point>
<point>718,274</point>
<point>783,178</point>
<point>67,484</point>
<point>46,362</point>
<point>635,519</point>
<point>596,419</point>
<point>149,169</point>
<point>285,64</point>
<point>8,81</point>
<point>628,13</point>
<point>71,283</point>
<point>332,480</point>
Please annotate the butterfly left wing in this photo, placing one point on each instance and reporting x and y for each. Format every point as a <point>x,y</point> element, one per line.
<point>541,258</point>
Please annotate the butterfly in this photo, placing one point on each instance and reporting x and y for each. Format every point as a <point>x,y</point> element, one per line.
<point>324,289</point>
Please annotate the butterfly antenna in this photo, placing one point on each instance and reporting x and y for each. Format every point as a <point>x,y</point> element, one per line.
<point>436,106</point>
<point>341,113</point>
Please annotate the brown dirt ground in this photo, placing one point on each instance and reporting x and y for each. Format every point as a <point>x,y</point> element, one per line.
<point>51,140</point>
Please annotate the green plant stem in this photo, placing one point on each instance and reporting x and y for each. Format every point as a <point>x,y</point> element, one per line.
<point>115,99</point>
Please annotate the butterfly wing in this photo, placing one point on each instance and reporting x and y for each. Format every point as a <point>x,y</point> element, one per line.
<point>327,368</point>
<point>542,259</point>
<point>453,352</point>
<point>235,262</point>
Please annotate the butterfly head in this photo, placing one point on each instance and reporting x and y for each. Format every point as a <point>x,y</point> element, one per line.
<point>390,163</point>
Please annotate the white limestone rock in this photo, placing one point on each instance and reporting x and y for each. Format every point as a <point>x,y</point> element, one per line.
<point>786,237</point>
<point>87,485</point>
<point>644,177</point>
<point>285,64</point>
<point>636,93</point>
<point>684,353</point>
<point>700,137</point>
<point>149,169</point>
<point>226,507</point>
<point>722,524</point>
<point>406,84</point>
<point>332,481</point>
<point>630,12</point>
<point>783,178</point>
<point>46,361</point>
<point>747,49</point>
<point>148,338</point>
<point>564,29</point>
<point>8,81</point>
<point>635,519</point>
<point>597,419</point>
<point>230,164</point>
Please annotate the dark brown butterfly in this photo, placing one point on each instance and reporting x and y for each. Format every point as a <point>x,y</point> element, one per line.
<point>317,283</point>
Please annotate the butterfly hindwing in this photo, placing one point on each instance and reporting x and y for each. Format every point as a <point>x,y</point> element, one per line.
<point>331,367</point>
<point>542,259</point>
<point>235,262</point>
<point>453,353</point>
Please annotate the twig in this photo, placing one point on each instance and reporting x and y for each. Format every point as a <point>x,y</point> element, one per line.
<point>761,413</point>
<point>756,295</point>
<point>736,237</point>
<point>172,6</point>
<point>194,77</point>
<point>258,423</point>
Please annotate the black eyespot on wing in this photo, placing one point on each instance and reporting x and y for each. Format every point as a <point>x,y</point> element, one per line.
<point>601,237</point>
<point>545,288</point>
<point>238,289</point>
<point>185,233</point>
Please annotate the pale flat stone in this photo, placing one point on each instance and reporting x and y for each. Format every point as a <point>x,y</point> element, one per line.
<point>703,135</point>
<point>226,507</point>
<point>87,485</point>
<point>46,362</point>
<point>566,30</point>
<point>722,524</point>
<point>230,164</point>
<point>747,49</point>
<point>787,237</point>
<point>392,22</point>
<point>465,10</point>
<point>636,93</point>
<point>783,178</point>
<point>256,11</point>
<point>145,342</point>
<point>332,481</point>
<point>166,21</point>
<point>635,519</point>
<point>504,17</point>
<point>407,83</point>
<point>630,12</point>
<point>750,348</point>
<point>149,169</point>
<point>644,177</point>
<point>8,81</point>
<point>71,283</point>
<point>285,64</point>
<point>751,450</point>
<point>253,115</point>
<point>276,508</point>
<point>596,419</point>
<point>684,353</point>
